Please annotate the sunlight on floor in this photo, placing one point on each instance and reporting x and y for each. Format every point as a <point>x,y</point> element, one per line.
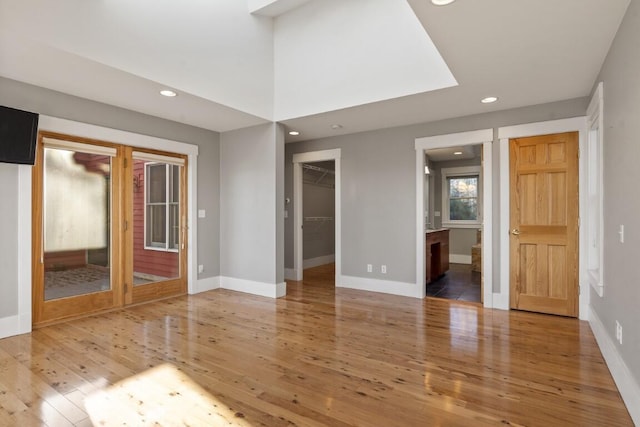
<point>160,396</point>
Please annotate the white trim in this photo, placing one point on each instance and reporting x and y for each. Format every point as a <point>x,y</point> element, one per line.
<point>264,289</point>
<point>454,139</point>
<point>484,137</point>
<point>385,286</point>
<point>499,301</point>
<point>204,285</point>
<point>595,170</point>
<point>290,274</point>
<point>578,124</point>
<point>317,261</point>
<point>460,259</point>
<point>21,322</point>
<point>298,159</point>
<point>117,136</point>
<point>627,385</point>
<point>70,127</point>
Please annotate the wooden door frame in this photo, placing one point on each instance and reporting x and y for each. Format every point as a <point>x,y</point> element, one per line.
<point>482,137</point>
<point>575,124</point>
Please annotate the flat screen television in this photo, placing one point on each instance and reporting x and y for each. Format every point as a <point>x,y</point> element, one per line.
<point>18,135</point>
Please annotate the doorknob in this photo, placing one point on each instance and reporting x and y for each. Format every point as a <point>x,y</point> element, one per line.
<point>515,232</point>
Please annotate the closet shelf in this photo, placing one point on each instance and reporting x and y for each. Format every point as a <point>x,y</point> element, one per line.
<point>315,175</point>
<point>318,218</point>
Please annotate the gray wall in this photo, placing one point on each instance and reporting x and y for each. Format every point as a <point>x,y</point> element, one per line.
<point>32,98</point>
<point>252,209</point>
<point>378,187</point>
<point>621,76</point>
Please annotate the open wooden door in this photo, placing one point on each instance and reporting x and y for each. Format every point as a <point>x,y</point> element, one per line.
<point>544,224</point>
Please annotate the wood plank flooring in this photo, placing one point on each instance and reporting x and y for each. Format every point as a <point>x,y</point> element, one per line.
<point>323,356</point>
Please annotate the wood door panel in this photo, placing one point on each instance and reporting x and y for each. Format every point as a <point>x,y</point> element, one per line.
<point>544,211</point>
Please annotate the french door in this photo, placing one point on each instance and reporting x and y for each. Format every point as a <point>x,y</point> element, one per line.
<point>108,226</point>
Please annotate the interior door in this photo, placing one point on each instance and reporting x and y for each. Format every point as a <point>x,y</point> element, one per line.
<point>156,240</point>
<point>76,244</point>
<point>544,224</point>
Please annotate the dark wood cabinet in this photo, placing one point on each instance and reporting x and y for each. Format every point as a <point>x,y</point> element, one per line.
<point>437,254</point>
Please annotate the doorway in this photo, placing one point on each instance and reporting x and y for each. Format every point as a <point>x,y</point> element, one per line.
<point>298,217</point>
<point>85,230</point>
<point>318,210</point>
<point>482,138</point>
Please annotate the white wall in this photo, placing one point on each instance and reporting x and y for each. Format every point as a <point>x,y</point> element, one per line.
<point>131,36</point>
<point>8,242</point>
<point>333,54</point>
<point>252,210</point>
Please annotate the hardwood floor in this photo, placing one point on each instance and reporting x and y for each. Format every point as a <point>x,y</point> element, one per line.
<point>323,356</point>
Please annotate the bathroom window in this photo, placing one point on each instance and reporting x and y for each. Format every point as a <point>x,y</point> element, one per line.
<point>461,196</point>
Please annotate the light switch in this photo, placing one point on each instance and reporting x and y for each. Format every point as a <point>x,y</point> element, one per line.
<point>202,213</point>
<point>286,214</point>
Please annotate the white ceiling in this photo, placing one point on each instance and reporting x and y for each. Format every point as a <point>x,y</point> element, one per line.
<point>232,70</point>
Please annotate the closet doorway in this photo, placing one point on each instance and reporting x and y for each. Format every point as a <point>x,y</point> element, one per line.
<point>318,211</point>
<point>108,226</point>
<point>313,157</point>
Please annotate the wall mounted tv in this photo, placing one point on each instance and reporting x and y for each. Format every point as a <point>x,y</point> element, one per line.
<point>18,135</point>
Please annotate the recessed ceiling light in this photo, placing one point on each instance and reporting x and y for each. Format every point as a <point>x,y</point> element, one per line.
<point>442,2</point>
<point>336,126</point>
<point>294,133</point>
<point>169,93</point>
<point>457,153</point>
<point>489,99</point>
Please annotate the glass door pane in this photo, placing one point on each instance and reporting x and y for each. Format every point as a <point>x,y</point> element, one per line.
<point>76,223</point>
<point>156,222</point>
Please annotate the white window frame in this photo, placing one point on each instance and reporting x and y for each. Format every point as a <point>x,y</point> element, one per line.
<point>463,171</point>
<point>168,203</point>
<point>595,193</point>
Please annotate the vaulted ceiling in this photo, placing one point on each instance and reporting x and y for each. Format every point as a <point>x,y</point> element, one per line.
<point>310,64</point>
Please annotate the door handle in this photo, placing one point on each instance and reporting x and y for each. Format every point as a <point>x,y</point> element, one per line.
<point>515,232</point>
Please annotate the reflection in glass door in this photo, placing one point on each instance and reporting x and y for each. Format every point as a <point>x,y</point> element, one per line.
<point>72,219</point>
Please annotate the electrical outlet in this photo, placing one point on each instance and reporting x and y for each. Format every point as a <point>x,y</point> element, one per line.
<point>200,268</point>
<point>621,233</point>
<point>369,268</point>
<point>383,269</point>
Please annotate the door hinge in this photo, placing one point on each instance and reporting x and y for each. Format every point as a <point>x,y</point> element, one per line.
<point>579,222</point>
<point>578,153</point>
<point>126,225</point>
<point>125,163</point>
<point>126,288</point>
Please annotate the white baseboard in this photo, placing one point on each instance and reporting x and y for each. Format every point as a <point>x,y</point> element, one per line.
<point>271,290</point>
<point>15,325</point>
<point>459,259</point>
<point>384,286</point>
<point>501,301</point>
<point>208,284</point>
<point>290,274</point>
<point>627,384</point>
<point>321,260</point>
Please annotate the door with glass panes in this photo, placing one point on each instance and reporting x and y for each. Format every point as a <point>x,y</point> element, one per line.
<point>108,226</point>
